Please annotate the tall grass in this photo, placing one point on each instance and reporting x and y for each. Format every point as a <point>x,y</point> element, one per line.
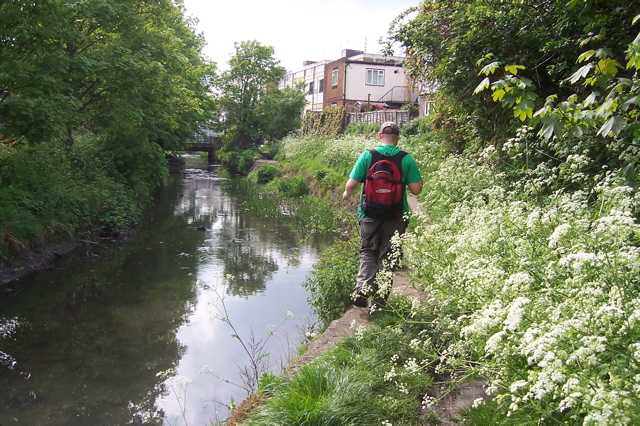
<point>352,384</point>
<point>304,213</point>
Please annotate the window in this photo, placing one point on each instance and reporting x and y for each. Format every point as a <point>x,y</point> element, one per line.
<point>311,88</point>
<point>375,77</point>
<point>320,86</point>
<point>334,78</point>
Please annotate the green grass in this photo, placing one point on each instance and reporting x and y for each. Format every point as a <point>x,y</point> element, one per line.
<point>361,381</point>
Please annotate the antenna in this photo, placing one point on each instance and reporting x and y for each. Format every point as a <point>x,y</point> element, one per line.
<point>365,45</point>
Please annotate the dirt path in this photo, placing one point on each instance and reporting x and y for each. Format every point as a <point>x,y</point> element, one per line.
<point>449,407</point>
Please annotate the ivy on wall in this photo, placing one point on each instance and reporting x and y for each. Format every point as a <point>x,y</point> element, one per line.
<point>330,122</point>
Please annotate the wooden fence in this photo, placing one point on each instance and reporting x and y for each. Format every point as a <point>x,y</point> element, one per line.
<point>398,116</point>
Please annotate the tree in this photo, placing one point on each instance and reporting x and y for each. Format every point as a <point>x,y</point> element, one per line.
<point>101,65</point>
<point>254,109</point>
<point>447,38</point>
<point>283,108</point>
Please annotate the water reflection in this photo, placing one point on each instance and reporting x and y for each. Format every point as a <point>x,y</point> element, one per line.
<point>126,333</point>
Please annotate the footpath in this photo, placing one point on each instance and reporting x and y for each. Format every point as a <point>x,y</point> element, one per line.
<point>448,408</point>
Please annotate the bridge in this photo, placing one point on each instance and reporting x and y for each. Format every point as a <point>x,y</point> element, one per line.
<point>209,142</point>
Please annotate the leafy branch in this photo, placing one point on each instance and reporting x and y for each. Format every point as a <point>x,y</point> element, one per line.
<point>609,110</point>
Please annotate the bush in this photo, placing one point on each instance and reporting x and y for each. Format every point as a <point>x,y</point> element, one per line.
<point>266,173</point>
<point>419,125</point>
<point>332,280</point>
<point>543,298</point>
<point>320,175</point>
<point>49,194</point>
<point>293,187</point>
<point>367,129</point>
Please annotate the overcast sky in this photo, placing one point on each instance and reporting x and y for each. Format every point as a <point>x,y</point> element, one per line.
<point>298,30</point>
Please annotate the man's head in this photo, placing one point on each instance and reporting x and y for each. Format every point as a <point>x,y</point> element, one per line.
<point>389,133</point>
<point>389,128</point>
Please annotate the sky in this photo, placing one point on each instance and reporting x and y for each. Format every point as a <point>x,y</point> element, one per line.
<point>298,30</point>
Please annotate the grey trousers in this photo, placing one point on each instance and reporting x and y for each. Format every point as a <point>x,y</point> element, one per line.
<point>375,250</point>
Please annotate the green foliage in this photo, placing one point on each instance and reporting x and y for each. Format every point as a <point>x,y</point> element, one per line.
<point>367,129</point>
<point>337,153</point>
<point>412,108</point>
<point>534,288</point>
<point>239,161</point>
<point>589,131</point>
<point>293,187</point>
<point>306,213</point>
<point>282,110</point>
<point>332,280</point>
<point>51,194</point>
<point>101,65</point>
<point>419,125</point>
<point>268,382</point>
<point>124,80</point>
<point>255,111</point>
<point>610,108</point>
<point>445,39</point>
<point>329,123</point>
<point>366,380</point>
<point>320,175</point>
<point>266,173</point>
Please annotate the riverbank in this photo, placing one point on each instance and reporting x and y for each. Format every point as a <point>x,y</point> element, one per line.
<point>449,403</point>
<point>36,261</point>
<point>448,407</point>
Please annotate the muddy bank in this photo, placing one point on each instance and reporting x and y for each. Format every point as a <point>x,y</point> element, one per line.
<point>36,261</point>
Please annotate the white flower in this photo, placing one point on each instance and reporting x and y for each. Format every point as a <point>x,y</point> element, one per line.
<point>389,375</point>
<point>428,401</point>
<point>477,402</point>
<point>516,311</point>
<point>411,365</point>
<point>493,342</point>
<point>517,385</point>
<point>557,234</point>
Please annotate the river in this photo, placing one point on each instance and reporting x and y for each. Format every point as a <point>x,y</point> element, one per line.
<point>152,330</point>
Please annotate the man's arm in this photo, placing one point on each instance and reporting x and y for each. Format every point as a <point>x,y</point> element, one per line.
<point>415,187</point>
<point>349,187</point>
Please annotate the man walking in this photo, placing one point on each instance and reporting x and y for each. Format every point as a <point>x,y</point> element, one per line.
<point>376,228</point>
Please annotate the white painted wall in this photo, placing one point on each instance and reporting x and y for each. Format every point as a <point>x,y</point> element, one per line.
<point>394,77</point>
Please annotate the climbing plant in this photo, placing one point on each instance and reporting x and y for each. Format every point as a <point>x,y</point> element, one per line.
<point>330,122</point>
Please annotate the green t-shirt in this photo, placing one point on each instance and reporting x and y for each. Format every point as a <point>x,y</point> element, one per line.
<point>410,172</point>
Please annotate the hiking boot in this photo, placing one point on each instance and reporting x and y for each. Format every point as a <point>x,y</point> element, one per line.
<point>378,304</point>
<point>361,300</point>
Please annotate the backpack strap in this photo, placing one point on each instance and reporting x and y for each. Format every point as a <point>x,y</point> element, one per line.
<point>395,159</point>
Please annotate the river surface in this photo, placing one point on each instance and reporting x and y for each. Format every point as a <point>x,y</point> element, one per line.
<point>135,332</point>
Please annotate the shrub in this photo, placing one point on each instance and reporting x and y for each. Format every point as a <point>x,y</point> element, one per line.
<point>293,187</point>
<point>543,299</point>
<point>266,173</point>
<point>320,175</point>
<point>332,280</point>
<point>367,129</point>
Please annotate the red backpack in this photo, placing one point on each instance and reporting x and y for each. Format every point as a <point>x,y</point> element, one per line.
<point>383,187</point>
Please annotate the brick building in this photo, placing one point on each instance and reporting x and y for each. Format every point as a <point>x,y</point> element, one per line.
<point>357,80</point>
